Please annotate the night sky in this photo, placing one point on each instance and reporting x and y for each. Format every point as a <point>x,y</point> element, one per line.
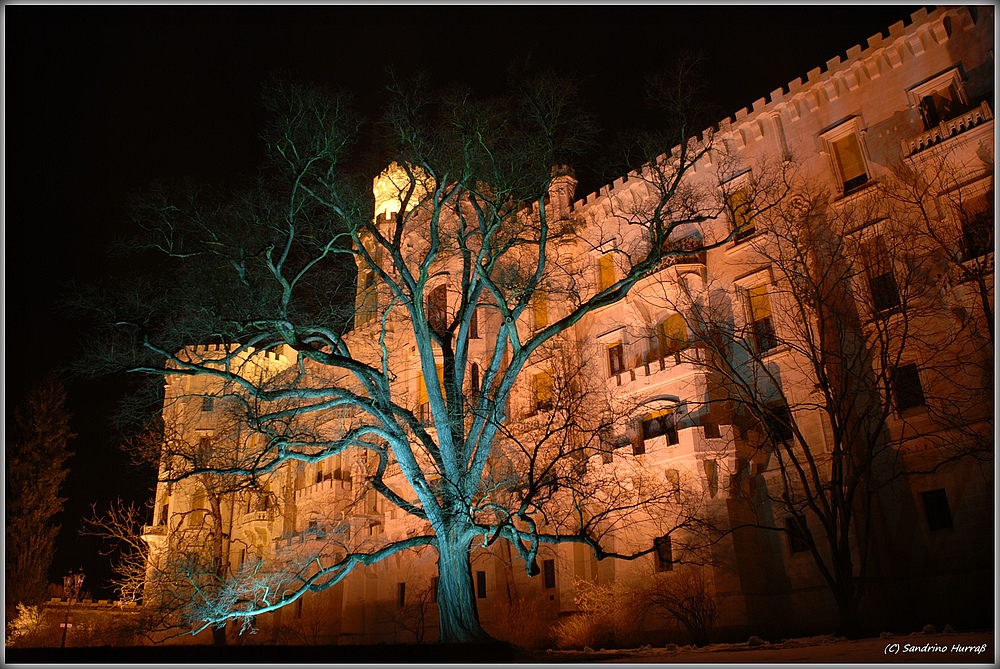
<point>101,101</point>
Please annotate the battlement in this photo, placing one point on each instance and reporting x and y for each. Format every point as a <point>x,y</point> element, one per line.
<point>827,83</point>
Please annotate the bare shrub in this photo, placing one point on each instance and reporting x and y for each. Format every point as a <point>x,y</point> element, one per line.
<point>686,597</point>
<point>520,622</point>
<point>611,616</point>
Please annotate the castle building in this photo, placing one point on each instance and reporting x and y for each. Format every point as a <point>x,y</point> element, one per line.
<point>841,279</point>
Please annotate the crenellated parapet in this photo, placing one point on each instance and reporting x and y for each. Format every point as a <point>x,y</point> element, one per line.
<point>773,117</point>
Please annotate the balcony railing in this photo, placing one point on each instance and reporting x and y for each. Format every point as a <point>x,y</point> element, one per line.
<point>256,517</point>
<point>657,367</point>
<point>947,129</point>
<point>154,530</point>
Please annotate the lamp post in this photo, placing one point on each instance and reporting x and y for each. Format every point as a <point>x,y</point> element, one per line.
<point>71,588</point>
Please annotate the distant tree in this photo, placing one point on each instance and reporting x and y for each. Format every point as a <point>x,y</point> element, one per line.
<point>473,197</point>
<point>35,465</point>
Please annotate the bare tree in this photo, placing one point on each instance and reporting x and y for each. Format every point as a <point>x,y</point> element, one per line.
<point>474,230</point>
<point>813,361</point>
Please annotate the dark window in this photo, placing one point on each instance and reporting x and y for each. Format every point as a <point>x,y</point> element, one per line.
<point>164,514</point>
<point>664,554</point>
<point>906,388</point>
<point>799,535</point>
<point>659,424</point>
<point>885,294</point>
<point>434,589</point>
<point>977,233</point>
<point>941,105</point>
<point>298,608</point>
<point>474,324</point>
<point>481,584</point>
<point>549,569</point>
<point>881,279</point>
<point>207,403</point>
<point>779,424</point>
<point>711,430</point>
<point>937,510</point>
<point>474,382</point>
<point>400,594</point>
<point>616,359</point>
<point>437,308</point>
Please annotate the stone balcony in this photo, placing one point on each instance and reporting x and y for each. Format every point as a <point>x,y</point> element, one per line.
<point>656,371</point>
<point>154,533</point>
<point>329,487</point>
<point>256,517</point>
<point>947,129</point>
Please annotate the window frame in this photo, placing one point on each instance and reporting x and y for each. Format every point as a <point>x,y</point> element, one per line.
<point>937,510</point>
<point>664,552</point>
<point>830,138</point>
<point>947,79</point>
<point>548,574</point>
<point>919,387</point>
<point>799,540</point>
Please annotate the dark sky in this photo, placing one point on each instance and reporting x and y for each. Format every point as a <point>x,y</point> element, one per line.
<point>101,101</point>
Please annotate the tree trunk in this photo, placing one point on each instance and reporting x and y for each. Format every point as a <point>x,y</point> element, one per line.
<point>457,610</point>
<point>850,617</point>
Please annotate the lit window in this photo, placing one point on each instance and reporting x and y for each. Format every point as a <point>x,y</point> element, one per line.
<point>741,213</point>
<point>937,510</point>
<point>542,391</point>
<point>664,554</point>
<point>423,403</point>
<point>798,533</point>
<point>605,271</point>
<point>906,387</point>
<point>850,162</point>
<point>761,323</point>
<point>540,309</point>
<point>672,335</point>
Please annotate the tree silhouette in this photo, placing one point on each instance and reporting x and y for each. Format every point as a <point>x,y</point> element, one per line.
<point>36,457</point>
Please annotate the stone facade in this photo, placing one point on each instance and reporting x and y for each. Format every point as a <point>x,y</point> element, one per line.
<point>920,98</point>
